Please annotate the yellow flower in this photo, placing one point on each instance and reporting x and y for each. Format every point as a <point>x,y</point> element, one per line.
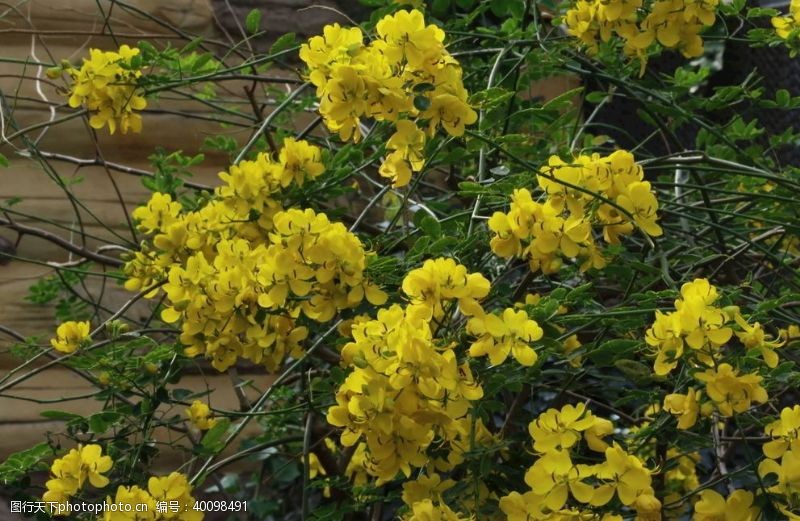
<point>426,510</point>
<point>396,168</point>
<point>384,79</point>
<point>624,474</point>
<point>554,477</point>
<point>730,392</point>
<point>409,140</point>
<point>695,322</point>
<point>642,204</point>
<point>174,487</point>
<point>142,505</point>
<point>336,45</point>
<point>440,281</point>
<point>786,25</point>
<point>522,507</point>
<point>407,37</point>
<point>674,24</point>
<point>556,430</point>
<point>200,415</point>
<point>787,475</point>
<point>70,473</point>
<point>737,507</point>
<point>785,431</point>
<point>299,161</point>
<point>70,336</point>
<point>106,85</point>
<point>560,225</point>
<point>685,407</point>
<point>452,112</point>
<point>158,214</point>
<point>500,335</point>
<point>754,337</point>
<point>425,487</point>
<point>238,271</point>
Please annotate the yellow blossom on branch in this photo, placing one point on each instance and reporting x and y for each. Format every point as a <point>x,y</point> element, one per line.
<point>405,75</point>
<point>71,472</point>
<point>199,414</point>
<point>106,85</point>
<point>731,392</point>
<point>70,335</point>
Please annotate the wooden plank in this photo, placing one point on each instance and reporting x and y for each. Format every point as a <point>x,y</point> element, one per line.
<point>84,15</point>
<point>21,423</point>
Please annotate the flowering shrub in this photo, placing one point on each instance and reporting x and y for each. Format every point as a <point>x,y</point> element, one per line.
<point>436,293</point>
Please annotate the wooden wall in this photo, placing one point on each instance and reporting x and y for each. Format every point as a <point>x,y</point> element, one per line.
<point>52,30</point>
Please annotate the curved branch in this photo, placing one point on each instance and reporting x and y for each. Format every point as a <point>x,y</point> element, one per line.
<point>60,241</point>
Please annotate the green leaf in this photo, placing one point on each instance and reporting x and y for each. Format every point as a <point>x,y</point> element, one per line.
<point>421,103</point>
<point>596,96</point>
<point>286,41</point>
<point>607,353</point>
<point>100,422</point>
<point>194,44</point>
<point>430,226</point>
<point>20,463</point>
<point>491,97</point>
<point>636,371</point>
<point>213,439</point>
<point>147,49</point>
<point>60,415</point>
<point>3,161</point>
<point>440,7</point>
<point>783,98</point>
<point>757,12</point>
<point>253,21</point>
<point>201,61</point>
<point>564,100</point>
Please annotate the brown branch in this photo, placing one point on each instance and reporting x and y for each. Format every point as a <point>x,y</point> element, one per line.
<point>60,241</point>
<point>113,166</point>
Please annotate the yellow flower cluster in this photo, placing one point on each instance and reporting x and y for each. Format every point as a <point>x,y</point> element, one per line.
<point>787,27</point>
<point>424,497</point>
<point>405,76</point>
<point>199,414</point>
<point>71,472</point>
<point>686,407</point>
<point>675,24</point>
<point>705,328</point>
<point>730,392</point>
<point>783,460</point>
<point>106,85</point>
<point>172,491</point>
<point>698,323</point>
<point>88,464</point>
<point>561,225</point>
<point>70,335</point>
<point>240,270</point>
<point>407,390</point>
<point>555,477</point>
<point>441,282</point>
<point>498,335</point>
